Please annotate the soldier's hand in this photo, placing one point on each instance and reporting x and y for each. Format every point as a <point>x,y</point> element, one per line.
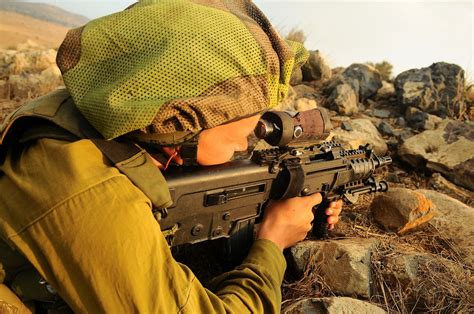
<point>287,222</point>
<point>333,212</point>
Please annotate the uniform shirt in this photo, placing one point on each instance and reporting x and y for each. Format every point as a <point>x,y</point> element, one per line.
<point>91,234</point>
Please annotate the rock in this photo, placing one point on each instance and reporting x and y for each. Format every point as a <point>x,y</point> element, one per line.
<point>346,126</point>
<point>304,91</point>
<point>363,132</point>
<point>449,150</point>
<point>404,135</point>
<point>436,89</point>
<point>316,68</point>
<point>380,113</point>
<point>386,91</point>
<point>365,80</point>
<point>304,104</point>
<point>420,120</point>
<point>385,128</point>
<point>337,120</point>
<point>400,121</point>
<point>344,100</point>
<point>411,273</point>
<point>333,305</point>
<point>454,221</point>
<point>287,103</point>
<point>440,184</point>
<point>299,99</point>
<point>470,93</point>
<point>401,210</point>
<point>344,265</point>
<point>296,76</point>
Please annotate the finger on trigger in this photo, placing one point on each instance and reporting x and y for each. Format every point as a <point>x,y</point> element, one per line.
<point>316,198</point>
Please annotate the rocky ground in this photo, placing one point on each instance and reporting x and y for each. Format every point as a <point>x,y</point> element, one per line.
<point>408,250</point>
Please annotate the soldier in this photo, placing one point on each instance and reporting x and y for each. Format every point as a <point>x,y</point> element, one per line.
<point>164,74</point>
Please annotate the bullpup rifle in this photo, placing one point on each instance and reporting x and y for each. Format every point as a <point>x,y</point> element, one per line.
<point>226,201</point>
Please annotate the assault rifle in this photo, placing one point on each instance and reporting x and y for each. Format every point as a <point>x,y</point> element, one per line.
<point>226,201</point>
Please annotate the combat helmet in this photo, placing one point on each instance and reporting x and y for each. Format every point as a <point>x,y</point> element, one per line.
<point>162,71</point>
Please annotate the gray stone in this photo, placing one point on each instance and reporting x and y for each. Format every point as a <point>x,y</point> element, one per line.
<point>386,91</point>
<point>296,76</point>
<point>303,104</point>
<point>316,67</point>
<point>364,79</point>
<point>346,126</point>
<point>401,210</point>
<point>385,128</point>
<point>343,99</point>
<point>437,89</point>
<point>363,132</point>
<point>333,305</point>
<point>303,90</point>
<point>344,264</point>
<point>448,150</point>
<point>454,221</point>
<point>438,183</point>
<point>400,121</point>
<point>380,113</point>
<point>420,120</point>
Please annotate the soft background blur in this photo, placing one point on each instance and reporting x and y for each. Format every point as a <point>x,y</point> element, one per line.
<point>408,34</point>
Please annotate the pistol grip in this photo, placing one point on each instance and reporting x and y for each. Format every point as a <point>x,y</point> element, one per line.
<point>320,224</point>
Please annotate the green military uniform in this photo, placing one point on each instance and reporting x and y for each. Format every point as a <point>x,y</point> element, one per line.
<point>91,234</point>
<point>155,70</point>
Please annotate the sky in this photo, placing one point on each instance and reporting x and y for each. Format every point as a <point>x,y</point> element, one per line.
<point>408,34</point>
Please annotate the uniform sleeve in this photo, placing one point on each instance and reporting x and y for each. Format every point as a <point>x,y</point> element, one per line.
<point>103,251</point>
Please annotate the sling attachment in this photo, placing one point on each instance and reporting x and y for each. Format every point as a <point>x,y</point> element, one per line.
<point>136,164</point>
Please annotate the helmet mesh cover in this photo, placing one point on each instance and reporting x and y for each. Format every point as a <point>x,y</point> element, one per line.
<point>175,65</point>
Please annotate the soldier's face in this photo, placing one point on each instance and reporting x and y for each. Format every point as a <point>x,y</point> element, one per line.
<point>217,145</point>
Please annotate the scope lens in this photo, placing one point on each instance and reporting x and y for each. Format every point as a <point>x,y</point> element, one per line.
<point>263,129</point>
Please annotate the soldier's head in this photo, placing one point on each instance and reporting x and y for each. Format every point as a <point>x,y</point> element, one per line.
<point>161,72</point>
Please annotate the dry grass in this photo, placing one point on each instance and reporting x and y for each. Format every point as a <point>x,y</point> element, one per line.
<point>444,283</point>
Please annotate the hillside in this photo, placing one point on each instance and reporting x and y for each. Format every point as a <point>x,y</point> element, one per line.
<point>45,12</point>
<point>18,28</point>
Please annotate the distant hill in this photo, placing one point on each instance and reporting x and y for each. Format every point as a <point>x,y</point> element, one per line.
<point>45,12</point>
<point>17,28</point>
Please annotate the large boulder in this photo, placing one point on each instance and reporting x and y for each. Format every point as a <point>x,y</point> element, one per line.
<point>316,67</point>
<point>454,221</point>
<point>343,99</point>
<point>425,281</point>
<point>333,305</point>
<point>353,86</point>
<point>437,89</point>
<point>364,79</point>
<point>401,210</point>
<point>361,132</point>
<point>438,183</point>
<point>344,265</point>
<point>448,150</point>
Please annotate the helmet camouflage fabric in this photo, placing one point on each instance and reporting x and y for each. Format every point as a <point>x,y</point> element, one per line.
<point>176,66</point>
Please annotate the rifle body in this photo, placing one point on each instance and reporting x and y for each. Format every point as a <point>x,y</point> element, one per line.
<point>225,201</point>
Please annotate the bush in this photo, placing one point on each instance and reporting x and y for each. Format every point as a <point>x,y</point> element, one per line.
<point>385,69</point>
<point>297,35</point>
